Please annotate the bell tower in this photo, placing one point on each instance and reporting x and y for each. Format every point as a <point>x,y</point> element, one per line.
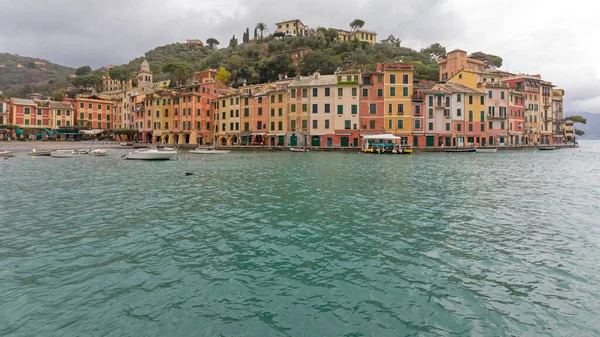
<point>145,76</point>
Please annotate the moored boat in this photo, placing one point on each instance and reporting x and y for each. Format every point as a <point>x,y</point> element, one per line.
<point>150,154</point>
<point>461,150</point>
<point>7,153</point>
<point>81,151</point>
<point>297,149</point>
<point>481,150</point>
<point>34,152</point>
<point>208,151</point>
<point>98,152</point>
<point>62,153</point>
<point>546,148</point>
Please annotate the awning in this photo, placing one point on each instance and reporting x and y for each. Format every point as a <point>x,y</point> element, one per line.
<point>19,131</point>
<point>92,132</point>
<point>259,133</point>
<point>381,136</point>
<point>50,133</point>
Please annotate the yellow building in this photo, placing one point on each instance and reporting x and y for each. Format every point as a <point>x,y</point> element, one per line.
<point>293,27</point>
<point>228,123</point>
<point>159,116</point>
<point>61,114</point>
<point>360,35</point>
<point>278,113</point>
<point>161,84</point>
<point>398,88</point>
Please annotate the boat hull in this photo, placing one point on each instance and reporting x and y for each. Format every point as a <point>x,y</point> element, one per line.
<point>151,155</point>
<point>8,154</point>
<point>486,150</point>
<point>209,151</point>
<point>546,148</point>
<point>62,154</point>
<point>39,153</point>
<point>461,151</point>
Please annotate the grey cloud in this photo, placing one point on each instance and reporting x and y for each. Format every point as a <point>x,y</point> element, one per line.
<point>76,32</point>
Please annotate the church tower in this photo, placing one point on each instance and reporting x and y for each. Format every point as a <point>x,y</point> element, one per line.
<point>145,76</point>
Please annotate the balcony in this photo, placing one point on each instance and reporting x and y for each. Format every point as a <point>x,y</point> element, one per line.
<point>496,117</point>
<point>440,107</point>
<point>547,119</point>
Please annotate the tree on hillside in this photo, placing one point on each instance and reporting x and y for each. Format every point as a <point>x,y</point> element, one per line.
<point>255,34</point>
<point>491,61</point>
<point>321,62</point>
<point>179,71</point>
<point>246,37</point>
<point>392,40</point>
<point>262,27</point>
<point>279,65</point>
<point>357,24</point>
<point>119,74</point>
<point>85,70</point>
<point>233,42</point>
<point>435,51</point>
<point>58,96</point>
<point>212,42</point>
<point>87,81</point>
<point>223,75</point>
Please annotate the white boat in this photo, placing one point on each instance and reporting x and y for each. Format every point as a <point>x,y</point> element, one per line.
<point>39,153</point>
<point>126,143</point>
<point>478,150</point>
<point>98,152</point>
<point>298,149</point>
<point>7,153</point>
<point>81,151</point>
<point>150,154</point>
<point>62,154</point>
<point>208,151</point>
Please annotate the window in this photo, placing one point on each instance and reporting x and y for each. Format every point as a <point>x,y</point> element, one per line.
<point>304,94</point>
<point>327,92</point>
<point>273,99</point>
<point>430,112</point>
<point>57,122</point>
<point>292,94</point>
<point>365,92</point>
<point>354,109</point>
<point>304,124</point>
<point>392,91</point>
<point>292,125</point>
<point>315,108</point>
<point>470,99</point>
<point>340,109</point>
<point>404,79</point>
<point>327,108</point>
<point>501,94</point>
<point>405,91</point>
<point>280,111</point>
<point>470,127</point>
<point>430,126</point>
<point>354,92</point>
<point>273,124</point>
<point>458,97</point>
<point>327,124</point>
<point>315,124</point>
<point>482,116</point>
<point>90,116</point>
<point>304,107</point>
<point>447,101</point>
<point>347,125</point>
<point>27,111</point>
<point>400,124</point>
<point>272,112</point>
<point>58,112</point>
<point>372,108</point>
<point>293,108</point>
<point>166,112</point>
<point>481,100</point>
<point>490,94</point>
<point>260,111</point>
<point>230,113</point>
<point>340,92</point>
<point>447,126</point>
<point>81,115</point>
<point>458,127</point>
<point>380,78</point>
<point>367,80</point>
<point>260,98</point>
<point>379,92</point>
<point>459,112</point>
<point>392,78</point>
<point>371,124</point>
<point>207,125</point>
<point>400,108</point>
<point>81,105</point>
<point>417,110</point>
<point>490,126</point>
<point>470,116</point>
<point>417,123</point>
<point>502,125</point>
<point>482,127</point>
<point>390,108</point>
<point>197,125</point>
<point>68,112</point>
<point>315,92</point>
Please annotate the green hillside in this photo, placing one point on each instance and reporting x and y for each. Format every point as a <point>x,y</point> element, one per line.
<point>29,73</point>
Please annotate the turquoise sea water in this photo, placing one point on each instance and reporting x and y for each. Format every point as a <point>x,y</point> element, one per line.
<point>302,244</point>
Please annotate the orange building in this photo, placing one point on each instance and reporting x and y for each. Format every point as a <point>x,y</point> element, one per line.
<point>456,61</point>
<point>94,111</point>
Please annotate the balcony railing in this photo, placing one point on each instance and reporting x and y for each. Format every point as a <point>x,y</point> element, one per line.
<point>547,119</point>
<point>497,117</point>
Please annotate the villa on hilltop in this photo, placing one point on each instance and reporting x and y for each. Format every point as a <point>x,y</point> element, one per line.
<point>295,27</point>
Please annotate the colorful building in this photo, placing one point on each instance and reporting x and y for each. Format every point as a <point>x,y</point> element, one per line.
<point>278,113</point>
<point>557,110</point>
<point>456,61</point>
<point>530,86</point>
<point>94,112</point>
<point>361,35</point>
<point>398,89</point>
<point>371,109</point>
<point>516,117</point>
<point>293,27</point>
<point>546,114</point>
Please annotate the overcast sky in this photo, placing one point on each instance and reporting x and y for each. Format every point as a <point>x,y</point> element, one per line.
<point>554,38</point>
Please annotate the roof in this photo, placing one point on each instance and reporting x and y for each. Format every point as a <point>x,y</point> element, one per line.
<point>293,20</point>
<point>310,81</point>
<point>22,101</point>
<point>60,105</point>
<point>451,88</point>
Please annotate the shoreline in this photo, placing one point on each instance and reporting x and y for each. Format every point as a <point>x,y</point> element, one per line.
<point>19,146</point>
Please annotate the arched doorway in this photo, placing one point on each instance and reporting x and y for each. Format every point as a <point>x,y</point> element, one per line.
<point>223,141</point>
<point>234,140</point>
<point>175,139</point>
<point>187,138</point>
<point>200,140</point>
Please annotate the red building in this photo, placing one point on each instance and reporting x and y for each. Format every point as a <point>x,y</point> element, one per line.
<point>371,112</point>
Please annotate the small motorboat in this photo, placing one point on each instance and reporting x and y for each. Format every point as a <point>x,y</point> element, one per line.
<point>39,153</point>
<point>479,150</point>
<point>81,151</point>
<point>98,152</point>
<point>546,148</point>
<point>126,143</point>
<point>297,149</point>
<point>461,150</point>
<point>208,151</point>
<point>7,153</point>
<point>62,153</point>
<point>150,154</point>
